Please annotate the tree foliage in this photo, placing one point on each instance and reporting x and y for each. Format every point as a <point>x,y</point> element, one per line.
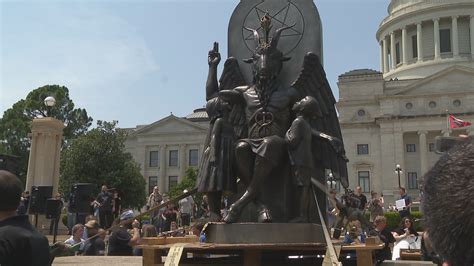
<point>15,123</point>
<point>99,157</point>
<point>188,183</point>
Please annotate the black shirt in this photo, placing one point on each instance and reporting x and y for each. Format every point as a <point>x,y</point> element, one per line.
<point>21,244</point>
<point>94,247</point>
<point>386,237</point>
<point>105,200</point>
<point>363,201</point>
<point>118,243</point>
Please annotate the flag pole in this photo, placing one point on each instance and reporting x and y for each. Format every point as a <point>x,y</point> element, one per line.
<point>447,123</point>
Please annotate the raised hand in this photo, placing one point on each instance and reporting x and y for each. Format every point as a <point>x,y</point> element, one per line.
<point>214,57</point>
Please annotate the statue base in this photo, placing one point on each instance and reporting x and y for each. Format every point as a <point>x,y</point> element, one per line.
<point>264,233</point>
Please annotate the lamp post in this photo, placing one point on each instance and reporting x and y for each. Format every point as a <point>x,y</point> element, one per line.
<point>49,102</point>
<point>398,170</point>
<point>331,181</point>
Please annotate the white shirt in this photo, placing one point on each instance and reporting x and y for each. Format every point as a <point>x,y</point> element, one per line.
<point>186,205</point>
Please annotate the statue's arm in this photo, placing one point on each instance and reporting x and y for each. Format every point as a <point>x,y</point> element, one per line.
<point>234,96</point>
<point>294,135</point>
<point>213,59</point>
<point>333,141</point>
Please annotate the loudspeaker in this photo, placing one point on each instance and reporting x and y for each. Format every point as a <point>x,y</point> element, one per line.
<point>39,196</point>
<point>80,198</point>
<point>53,208</point>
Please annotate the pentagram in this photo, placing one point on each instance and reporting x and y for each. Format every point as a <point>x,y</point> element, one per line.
<point>286,15</point>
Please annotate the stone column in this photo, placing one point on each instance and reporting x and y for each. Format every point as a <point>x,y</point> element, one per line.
<point>404,46</point>
<point>43,164</point>
<point>381,58</point>
<point>162,171</point>
<point>436,38</point>
<point>182,162</point>
<point>419,42</point>
<point>454,27</point>
<point>385,55</point>
<point>393,57</point>
<point>423,152</point>
<point>471,30</point>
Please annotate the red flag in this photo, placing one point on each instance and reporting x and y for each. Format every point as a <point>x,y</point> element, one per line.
<point>456,122</point>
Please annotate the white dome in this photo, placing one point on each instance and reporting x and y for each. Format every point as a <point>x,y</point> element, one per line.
<point>421,37</point>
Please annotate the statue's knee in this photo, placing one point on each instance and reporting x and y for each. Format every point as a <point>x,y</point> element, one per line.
<point>242,148</point>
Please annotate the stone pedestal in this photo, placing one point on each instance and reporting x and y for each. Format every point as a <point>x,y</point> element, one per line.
<point>264,233</point>
<point>43,165</point>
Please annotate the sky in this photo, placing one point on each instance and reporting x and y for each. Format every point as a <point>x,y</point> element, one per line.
<point>138,61</point>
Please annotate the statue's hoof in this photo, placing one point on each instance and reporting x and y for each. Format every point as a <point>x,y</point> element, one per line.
<point>264,216</point>
<point>231,216</point>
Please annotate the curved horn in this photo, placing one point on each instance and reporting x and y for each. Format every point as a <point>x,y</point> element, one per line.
<point>277,34</point>
<point>255,36</point>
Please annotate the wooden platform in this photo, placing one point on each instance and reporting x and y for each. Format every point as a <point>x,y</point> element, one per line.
<point>251,254</point>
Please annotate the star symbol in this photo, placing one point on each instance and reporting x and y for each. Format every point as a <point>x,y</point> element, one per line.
<point>280,17</point>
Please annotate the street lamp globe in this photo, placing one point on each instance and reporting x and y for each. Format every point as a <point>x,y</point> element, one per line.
<point>49,101</point>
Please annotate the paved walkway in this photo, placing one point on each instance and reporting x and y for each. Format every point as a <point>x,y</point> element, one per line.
<point>96,260</point>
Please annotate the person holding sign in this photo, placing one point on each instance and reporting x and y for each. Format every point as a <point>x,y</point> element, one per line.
<point>403,209</point>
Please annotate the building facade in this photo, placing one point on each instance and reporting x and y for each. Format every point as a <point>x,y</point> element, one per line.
<point>392,116</point>
<point>166,148</point>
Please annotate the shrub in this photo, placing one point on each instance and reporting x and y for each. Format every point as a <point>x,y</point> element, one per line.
<point>393,220</point>
<point>418,224</point>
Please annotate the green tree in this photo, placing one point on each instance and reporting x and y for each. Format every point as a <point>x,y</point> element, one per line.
<point>15,123</point>
<point>99,157</point>
<point>188,183</point>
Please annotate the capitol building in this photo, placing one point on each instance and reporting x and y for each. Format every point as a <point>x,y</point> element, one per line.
<point>388,117</point>
<point>391,117</point>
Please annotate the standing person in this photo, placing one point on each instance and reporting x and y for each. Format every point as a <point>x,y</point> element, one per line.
<point>186,208</point>
<point>71,215</point>
<point>405,212</point>
<point>380,222</point>
<point>204,207</point>
<point>23,207</point>
<point>117,205</point>
<point>154,199</point>
<point>20,243</point>
<point>362,198</point>
<point>121,243</point>
<point>105,207</point>
<point>332,210</point>
<point>375,206</point>
<point>55,221</point>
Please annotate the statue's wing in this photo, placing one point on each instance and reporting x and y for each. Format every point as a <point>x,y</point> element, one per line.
<point>232,78</point>
<point>312,82</point>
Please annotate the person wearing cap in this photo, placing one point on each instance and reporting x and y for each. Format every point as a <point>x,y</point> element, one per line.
<point>185,208</point>
<point>121,243</point>
<point>96,245</point>
<point>20,243</point>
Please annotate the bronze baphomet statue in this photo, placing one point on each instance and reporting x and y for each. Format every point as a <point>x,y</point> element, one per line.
<point>264,132</point>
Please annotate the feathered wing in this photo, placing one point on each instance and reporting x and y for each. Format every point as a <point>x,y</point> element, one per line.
<point>312,82</point>
<point>232,78</point>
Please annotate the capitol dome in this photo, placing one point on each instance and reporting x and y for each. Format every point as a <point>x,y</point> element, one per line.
<point>426,36</point>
